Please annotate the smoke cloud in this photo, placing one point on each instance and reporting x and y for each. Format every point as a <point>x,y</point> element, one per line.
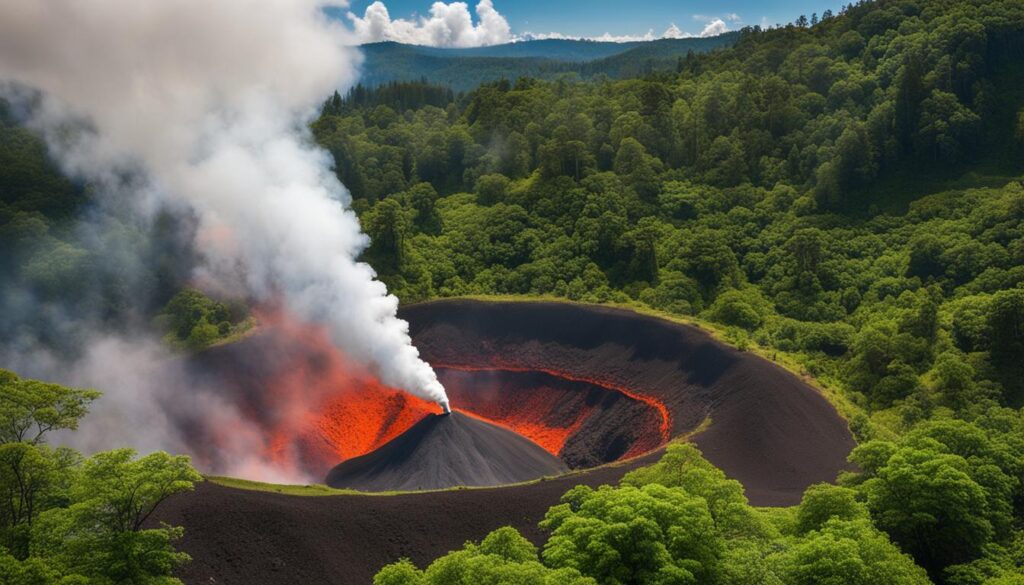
<point>209,102</point>
<point>448,25</point>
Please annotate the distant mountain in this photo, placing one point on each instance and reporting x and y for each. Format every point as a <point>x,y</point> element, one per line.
<point>557,49</point>
<point>465,69</point>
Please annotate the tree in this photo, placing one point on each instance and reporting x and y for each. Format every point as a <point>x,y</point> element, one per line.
<point>947,128</point>
<point>504,556</point>
<point>422,198</point>
<point>1018,132</point>
<point>102,534</point>
<point>823,502</point>
<point>33,478</point>
<point>1006,327</point>
<point>491,189</point>
<point>683,467</point>
<point>726,162</point>
<point>744,309</point>
<point>196,321</point>
<point>388,227</point>
<point>944,492</point>
<point>636,167</point>
<point>848,553</point>
<point>29,409</point>
<point>633,535</point>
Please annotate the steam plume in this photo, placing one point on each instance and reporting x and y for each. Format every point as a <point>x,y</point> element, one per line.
<point>210,101</point>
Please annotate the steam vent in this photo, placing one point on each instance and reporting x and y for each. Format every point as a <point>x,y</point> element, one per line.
<point>548,387</point>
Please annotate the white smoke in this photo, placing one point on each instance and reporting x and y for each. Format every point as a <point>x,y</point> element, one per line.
<point>211,101</point>
<point>448,25</point>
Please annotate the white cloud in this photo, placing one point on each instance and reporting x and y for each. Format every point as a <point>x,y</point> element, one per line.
<point>674,32</point>
<point>448,25</point>
<point>451,25</point>
<point>606,37</point>
<point>715,27</point>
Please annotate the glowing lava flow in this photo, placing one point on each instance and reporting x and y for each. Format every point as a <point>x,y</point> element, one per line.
<point>551,439</point>
<point>319,407</point>
<point>665,426</point>
<point>545,414</point>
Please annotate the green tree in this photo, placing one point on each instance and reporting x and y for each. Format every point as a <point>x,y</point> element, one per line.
<point>943,493</point>
<point>848,553</point>
<point>387,224</point>
<point>102,534</point>
<point>504,556</point>
<point>823,502</point>
<point>29,409</point>
<point>634,535</point>
<point>1006,333</point>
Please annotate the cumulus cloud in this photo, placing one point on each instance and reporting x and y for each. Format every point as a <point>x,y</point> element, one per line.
<point>448,25</point>
<point>714,27</point>
<point>451,24</point>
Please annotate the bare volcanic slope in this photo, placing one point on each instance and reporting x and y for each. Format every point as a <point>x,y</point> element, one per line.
<point>442,451</point>
<point>260,538</point>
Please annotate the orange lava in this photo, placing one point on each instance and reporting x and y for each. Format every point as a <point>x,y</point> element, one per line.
<point>664,427</point>
<point>545,416</point>
<point>326,408</point>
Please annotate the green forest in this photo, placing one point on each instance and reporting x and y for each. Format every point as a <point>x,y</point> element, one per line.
<point>845,193</point>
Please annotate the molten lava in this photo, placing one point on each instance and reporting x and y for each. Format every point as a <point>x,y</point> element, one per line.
<point>664,426</point>
<point>319,407</point>
<point>528,403</point>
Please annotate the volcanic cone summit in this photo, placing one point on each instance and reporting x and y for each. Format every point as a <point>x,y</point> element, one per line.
<point>443,451</point>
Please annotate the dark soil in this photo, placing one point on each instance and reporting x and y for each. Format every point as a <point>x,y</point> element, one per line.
<point>256,538</point>
<point>769,430</point>
<point>443,451</point>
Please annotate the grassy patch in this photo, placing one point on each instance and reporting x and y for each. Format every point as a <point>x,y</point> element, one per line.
<point>320,490</point>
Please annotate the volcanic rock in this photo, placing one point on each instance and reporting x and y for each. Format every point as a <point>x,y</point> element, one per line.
<point>443,451</point>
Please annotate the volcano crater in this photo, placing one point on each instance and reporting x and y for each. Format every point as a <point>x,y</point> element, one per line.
<point>590,385</point>
<point>595,385</point>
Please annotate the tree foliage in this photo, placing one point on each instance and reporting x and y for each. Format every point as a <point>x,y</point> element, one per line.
<point>67,519</point>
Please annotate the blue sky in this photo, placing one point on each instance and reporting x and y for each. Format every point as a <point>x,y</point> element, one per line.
<point>591,18</point>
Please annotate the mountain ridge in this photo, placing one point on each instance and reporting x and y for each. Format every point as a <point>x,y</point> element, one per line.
<point>465,68</point>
